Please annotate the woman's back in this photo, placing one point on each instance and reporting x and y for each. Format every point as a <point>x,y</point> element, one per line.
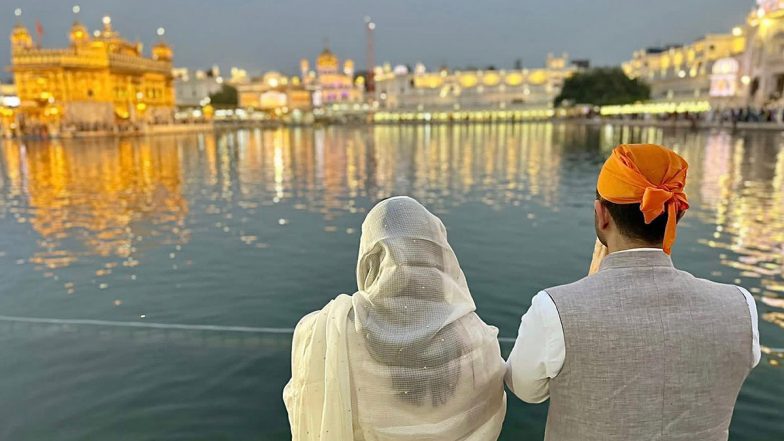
<point>461,399</point>
<point>405,357</point>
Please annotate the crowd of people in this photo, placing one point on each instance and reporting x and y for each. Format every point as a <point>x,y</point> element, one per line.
<point>716,117</point>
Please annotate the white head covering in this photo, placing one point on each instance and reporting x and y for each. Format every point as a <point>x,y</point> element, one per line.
<point>418,363</point>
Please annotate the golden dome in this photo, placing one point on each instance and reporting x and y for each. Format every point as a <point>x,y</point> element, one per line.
<point>162,51</point>
<point>327,60</point>
<point>273,79</point>
<point>79,34</point>
<point>20,37</point>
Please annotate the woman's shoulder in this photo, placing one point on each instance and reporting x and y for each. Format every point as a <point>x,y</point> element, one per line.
<point>308,321</point>
<point>305,325</point>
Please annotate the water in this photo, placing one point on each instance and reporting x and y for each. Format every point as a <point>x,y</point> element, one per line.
<point>256,228</point>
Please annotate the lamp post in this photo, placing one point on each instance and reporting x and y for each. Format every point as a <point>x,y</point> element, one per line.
<point>370,27</point>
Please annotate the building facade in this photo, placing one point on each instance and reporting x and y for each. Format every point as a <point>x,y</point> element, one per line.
<point>762,65</point>
<point>274,93</point>
<point>193,89</point>
<point>100,81</point>
<point>9,102</point>
<point>702,70</point>
<point>445,90</point>
<point>744,67</point>
<point>332,83</point>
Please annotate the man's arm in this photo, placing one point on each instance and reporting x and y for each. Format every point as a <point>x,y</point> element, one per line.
<point>539,351</point>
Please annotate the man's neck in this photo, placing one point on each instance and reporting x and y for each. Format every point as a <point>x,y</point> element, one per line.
<point>626,245</point>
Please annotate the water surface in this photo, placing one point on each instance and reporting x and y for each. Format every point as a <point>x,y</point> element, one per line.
<point>256,228</point>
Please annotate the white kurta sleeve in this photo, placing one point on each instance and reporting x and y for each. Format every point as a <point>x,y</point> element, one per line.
<point>539,351</point>
<point>755,344</point>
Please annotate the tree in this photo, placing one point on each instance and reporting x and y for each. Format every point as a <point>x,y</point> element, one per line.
<point>603,86</point>
<point>226,97</point>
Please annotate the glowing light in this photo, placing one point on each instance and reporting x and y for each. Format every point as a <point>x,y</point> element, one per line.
<point>107,20</point>
<point>514,79</point>
<point>538,77</point>
<point>97,33</point>
<point>653,108</point>
<point>18,12</point>
<point>737,31</point>
<point>371,26</point>
<point>682,74</point>
<point>76,9</point>
<point>160,32</point>
<point>760,13</point>
<point>745,79</point>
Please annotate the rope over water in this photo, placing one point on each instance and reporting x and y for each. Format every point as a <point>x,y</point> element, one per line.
<point>182,327</point>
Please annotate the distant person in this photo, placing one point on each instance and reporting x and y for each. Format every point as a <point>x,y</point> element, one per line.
<point>638,350</point>
<point>405,357</point>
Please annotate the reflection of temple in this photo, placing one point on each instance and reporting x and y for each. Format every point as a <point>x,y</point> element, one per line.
<point>749,212</point>
<point>330,83</point>
<point>331,170</point>
<point>97,82</point>
<point>98,198</point>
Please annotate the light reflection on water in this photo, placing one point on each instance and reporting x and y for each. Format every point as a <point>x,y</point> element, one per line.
<point>256,228</point>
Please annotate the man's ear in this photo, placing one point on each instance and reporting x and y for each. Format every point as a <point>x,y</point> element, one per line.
<point>602,215</point>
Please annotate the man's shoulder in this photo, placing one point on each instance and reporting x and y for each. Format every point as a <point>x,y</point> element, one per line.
<point>709,285</point>
<point>587,283</point>
<point>603,280</point>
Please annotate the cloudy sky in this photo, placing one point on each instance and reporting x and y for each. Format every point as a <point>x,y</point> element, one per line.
<point>262,35</point>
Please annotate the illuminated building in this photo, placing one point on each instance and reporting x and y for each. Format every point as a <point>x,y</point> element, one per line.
<point>330,84</point>
<point>100,81</point>
<point>193,91</point>
<point>706,69</point>
<point>739,68</point>
<point>444,90</point>
<point>763,62</point>
<point>9,102</point>
<point>238,75</point>
<point>274,93</point>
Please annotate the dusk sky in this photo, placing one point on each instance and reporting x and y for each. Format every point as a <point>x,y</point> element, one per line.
<point>262,35</point>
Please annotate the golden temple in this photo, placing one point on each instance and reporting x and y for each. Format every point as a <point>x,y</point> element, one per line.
<point>99,82</point>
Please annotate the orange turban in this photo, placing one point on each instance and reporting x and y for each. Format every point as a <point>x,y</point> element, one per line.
<point>650,175</point>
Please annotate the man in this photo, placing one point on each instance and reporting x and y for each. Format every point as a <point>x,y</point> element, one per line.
<point>639,350</point>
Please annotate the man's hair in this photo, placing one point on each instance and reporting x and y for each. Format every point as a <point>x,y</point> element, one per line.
<point>631,222</point>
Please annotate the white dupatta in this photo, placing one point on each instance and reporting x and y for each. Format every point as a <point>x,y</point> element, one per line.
<point>405,357</point>
<point>318,396</point>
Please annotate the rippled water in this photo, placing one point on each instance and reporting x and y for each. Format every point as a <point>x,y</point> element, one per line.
<point>256,228</point>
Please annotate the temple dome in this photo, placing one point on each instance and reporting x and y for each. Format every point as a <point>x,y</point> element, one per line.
<point>162,51</point>
<point>327,60</point>
<point>20,37</point>
<point>79,34</point>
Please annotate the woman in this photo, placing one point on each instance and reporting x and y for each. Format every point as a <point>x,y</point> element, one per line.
<point>405,357</point>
